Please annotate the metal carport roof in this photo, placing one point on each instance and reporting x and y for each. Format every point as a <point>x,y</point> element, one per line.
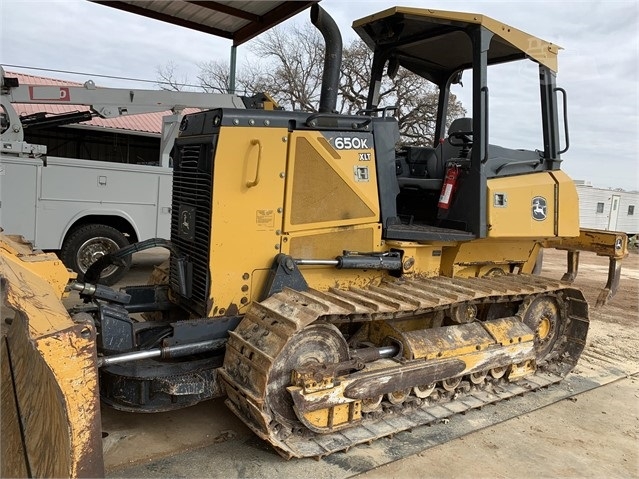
<point>236,20</point>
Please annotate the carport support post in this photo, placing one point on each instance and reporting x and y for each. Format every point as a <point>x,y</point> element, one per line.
<point>231,86</point>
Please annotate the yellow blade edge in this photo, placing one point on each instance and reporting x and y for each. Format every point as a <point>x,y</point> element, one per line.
<point>50,410</point>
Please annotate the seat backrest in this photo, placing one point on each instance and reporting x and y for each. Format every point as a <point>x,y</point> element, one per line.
<point>461,124</point>
<point>449,151</point>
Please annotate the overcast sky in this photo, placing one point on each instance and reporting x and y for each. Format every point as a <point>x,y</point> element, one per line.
<point>599,66</point>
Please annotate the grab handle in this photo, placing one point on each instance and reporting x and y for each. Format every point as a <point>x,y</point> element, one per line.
<point>565,110</point>
<point>251,184</point>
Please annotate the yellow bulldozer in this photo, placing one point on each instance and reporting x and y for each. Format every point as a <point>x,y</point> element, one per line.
<point>334,287</point>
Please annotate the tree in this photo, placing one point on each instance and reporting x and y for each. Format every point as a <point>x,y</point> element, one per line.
<point>167,77</point>
<point>414,97</point>
<point>214,76</point>
<point>290,70</point>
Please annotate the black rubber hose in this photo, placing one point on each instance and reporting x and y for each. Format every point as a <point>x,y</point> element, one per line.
<point>118,257</point>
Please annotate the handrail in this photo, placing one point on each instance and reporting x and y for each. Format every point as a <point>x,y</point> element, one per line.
<point>251,184</point>
<point>383,110</point>
<point>484,90</point>
<point>312,119</point>
<point>565,110</point>
<point>535,163</point>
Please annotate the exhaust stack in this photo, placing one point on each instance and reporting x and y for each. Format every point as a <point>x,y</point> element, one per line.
<point>332,58</point>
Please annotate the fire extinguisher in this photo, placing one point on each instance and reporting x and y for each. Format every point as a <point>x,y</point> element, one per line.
<point>449,186</point>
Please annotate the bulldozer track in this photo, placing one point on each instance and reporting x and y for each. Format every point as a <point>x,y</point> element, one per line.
<point>268,326</point>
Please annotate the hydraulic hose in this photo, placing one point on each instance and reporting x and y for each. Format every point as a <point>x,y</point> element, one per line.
<point>118,257</point>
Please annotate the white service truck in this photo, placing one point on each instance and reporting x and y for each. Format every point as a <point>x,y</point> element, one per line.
<point>85,209</point>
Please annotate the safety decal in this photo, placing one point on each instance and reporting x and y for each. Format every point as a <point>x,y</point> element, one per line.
<point>539,208</point>
<point>264,218</point>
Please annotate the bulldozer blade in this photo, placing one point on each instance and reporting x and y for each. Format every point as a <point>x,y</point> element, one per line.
<point>50,414</point>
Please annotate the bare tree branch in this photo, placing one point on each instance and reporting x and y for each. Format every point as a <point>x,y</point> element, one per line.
<point>290,70</point>
<point>167,77</point>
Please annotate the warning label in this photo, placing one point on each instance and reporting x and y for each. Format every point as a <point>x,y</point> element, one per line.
<point>265,219</point>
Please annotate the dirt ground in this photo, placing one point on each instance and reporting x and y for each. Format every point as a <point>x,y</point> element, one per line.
<point>614,328</point>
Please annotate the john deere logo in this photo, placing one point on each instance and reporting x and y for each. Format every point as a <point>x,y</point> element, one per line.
<point>539,208</point>
<point>186,222</point>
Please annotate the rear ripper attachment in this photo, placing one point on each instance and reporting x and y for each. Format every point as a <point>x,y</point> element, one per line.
<point>611,244</point>
<point>318,372</point>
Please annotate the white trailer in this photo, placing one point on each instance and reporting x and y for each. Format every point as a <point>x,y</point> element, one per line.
<point>608,209</point>
<point>84,209</point>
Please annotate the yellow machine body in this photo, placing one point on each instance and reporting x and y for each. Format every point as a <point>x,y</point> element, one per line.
<point>510,200</point>
<point>294,193</point>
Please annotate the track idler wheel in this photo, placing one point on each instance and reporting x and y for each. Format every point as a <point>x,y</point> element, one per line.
<point>560,324</point>
<point>316,344</point>
<point>544,316</point>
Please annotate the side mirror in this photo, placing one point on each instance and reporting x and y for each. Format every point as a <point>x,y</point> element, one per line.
<point>457,78</point>
<point>393,67</point>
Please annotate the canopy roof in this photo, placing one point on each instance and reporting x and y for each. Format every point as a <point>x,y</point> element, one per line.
<point>434,43</point>
<point>236,20</point>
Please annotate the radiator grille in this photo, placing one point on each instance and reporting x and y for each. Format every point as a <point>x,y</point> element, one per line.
<point>191,219</point>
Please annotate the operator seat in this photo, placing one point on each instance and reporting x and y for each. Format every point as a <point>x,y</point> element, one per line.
<point>458,142</point>
<point>433,160</point>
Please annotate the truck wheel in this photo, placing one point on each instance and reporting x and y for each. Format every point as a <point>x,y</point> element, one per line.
<point>88,243</point>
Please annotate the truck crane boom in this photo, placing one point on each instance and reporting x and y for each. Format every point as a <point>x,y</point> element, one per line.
<point>106,103</point>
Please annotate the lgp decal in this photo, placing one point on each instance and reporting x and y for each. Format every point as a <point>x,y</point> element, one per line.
<point>539,208</point>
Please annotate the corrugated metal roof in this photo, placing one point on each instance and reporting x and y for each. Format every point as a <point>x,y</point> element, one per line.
<point>236,20</point>
<point>145,123</point>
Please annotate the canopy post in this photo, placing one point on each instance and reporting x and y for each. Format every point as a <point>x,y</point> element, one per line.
<point>231,85</point>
